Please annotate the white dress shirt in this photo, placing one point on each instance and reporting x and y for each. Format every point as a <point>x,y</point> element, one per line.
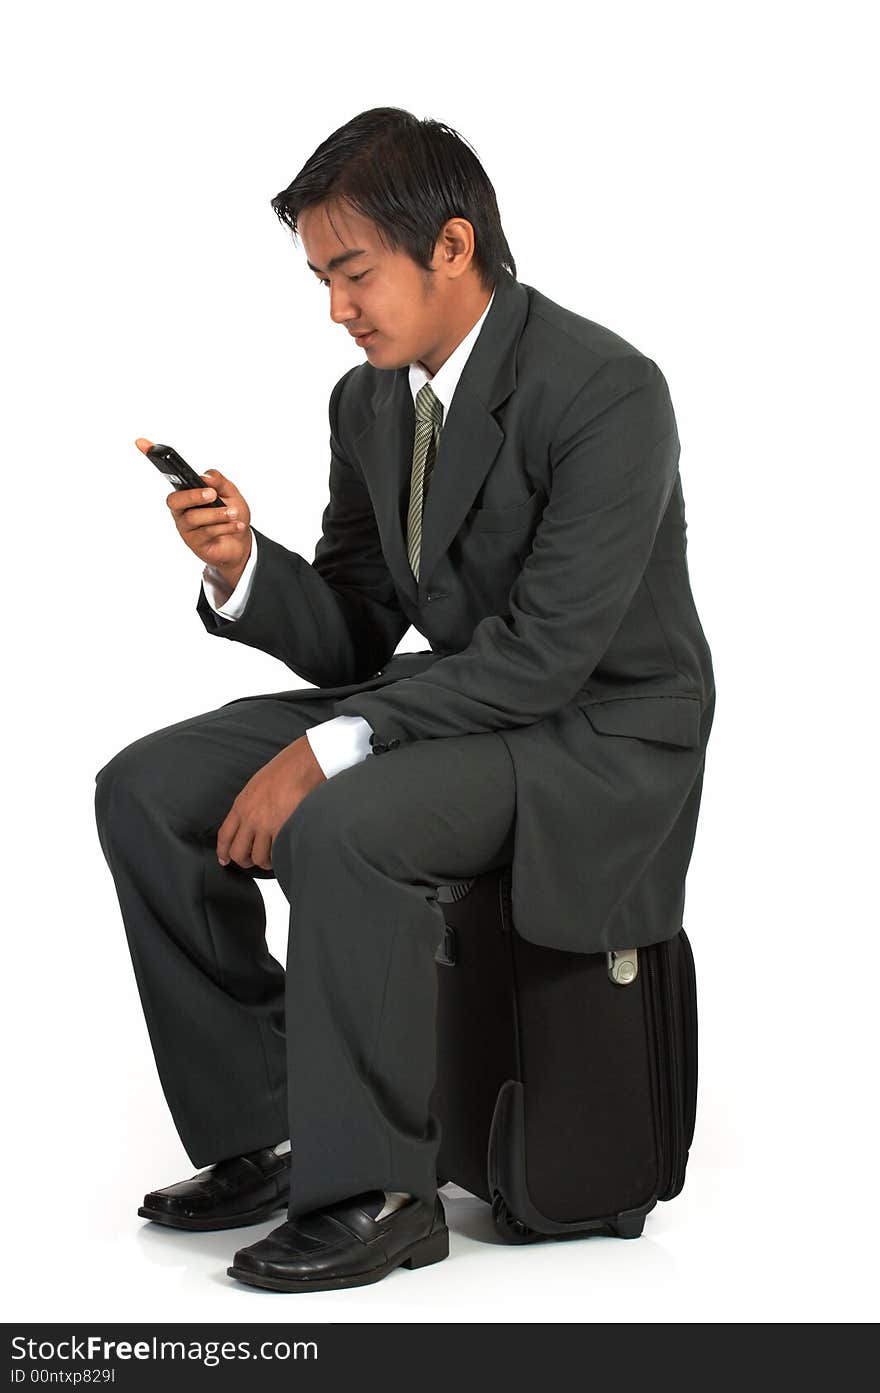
<point>343,740</point>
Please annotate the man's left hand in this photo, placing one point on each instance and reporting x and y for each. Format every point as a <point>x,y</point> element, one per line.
<point>266,801</point>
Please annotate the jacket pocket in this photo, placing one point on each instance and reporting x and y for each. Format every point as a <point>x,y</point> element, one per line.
<point>506,519</point>
<point>669,720</point>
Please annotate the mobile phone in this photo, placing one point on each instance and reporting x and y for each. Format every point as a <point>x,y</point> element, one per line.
<point>175,468</point>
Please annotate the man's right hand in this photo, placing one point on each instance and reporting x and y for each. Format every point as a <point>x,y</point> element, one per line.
<point>226,543</point>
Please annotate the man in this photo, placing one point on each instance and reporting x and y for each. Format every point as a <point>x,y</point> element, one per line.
<point>504,476</point>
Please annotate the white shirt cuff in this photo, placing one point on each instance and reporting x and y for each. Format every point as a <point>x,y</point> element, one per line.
<point>223,601</point>
<point>340,742</point>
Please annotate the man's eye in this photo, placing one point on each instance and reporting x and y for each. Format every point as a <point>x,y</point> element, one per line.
<point>351,278</point>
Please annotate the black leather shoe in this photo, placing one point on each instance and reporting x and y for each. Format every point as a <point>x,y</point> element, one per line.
<point>345,1246</point>
<point>241,1190</point>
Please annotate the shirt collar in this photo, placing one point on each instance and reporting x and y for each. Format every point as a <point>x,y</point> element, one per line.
<point>445,379</point>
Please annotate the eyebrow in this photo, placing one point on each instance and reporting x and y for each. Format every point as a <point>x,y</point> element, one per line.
<point>339,260</point>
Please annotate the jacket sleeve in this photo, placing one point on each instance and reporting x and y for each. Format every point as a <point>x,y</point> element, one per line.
<point>614,460</point>
<point>335,620</point>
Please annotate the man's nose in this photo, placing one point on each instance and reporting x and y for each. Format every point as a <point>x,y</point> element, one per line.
<point>341,307</point>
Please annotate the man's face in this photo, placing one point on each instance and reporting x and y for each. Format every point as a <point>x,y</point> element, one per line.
<point>384,292</point>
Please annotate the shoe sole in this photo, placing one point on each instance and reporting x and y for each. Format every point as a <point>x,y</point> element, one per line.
<point>232,1221</point>
<point>428,1250</point>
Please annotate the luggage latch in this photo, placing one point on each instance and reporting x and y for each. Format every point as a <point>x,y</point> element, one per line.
<point>623,965</point>
<point>446,952</point>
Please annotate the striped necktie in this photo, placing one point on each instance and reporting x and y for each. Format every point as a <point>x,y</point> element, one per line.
<point>429,419</point>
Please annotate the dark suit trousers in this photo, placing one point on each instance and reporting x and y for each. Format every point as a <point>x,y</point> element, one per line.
<point>338,1052</point>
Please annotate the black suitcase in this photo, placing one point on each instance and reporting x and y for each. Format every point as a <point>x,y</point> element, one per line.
<point>566,1083</point>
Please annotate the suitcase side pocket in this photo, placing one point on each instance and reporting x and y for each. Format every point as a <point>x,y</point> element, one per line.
<point>674,1031</point>
<point>690,1051</point>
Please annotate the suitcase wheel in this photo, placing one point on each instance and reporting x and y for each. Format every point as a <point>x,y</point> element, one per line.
<point>512,1230</point>
<point>629,1227</point>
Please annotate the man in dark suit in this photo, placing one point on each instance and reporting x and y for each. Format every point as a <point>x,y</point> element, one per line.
<point>504,476</point>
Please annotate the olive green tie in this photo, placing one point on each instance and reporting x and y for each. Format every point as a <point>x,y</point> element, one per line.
<point>429,419</point>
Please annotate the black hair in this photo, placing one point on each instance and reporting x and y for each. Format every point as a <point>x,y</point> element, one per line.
<point>408,177</point>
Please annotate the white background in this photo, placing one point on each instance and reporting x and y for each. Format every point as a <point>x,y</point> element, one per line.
<point>695,177</point>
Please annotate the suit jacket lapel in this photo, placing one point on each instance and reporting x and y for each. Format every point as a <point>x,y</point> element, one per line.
<point>469,441</point>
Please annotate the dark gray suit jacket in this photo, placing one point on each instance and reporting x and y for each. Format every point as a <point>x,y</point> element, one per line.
<point>554,593</point>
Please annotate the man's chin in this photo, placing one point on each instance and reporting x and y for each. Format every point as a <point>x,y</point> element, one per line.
<point>384,360</point>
